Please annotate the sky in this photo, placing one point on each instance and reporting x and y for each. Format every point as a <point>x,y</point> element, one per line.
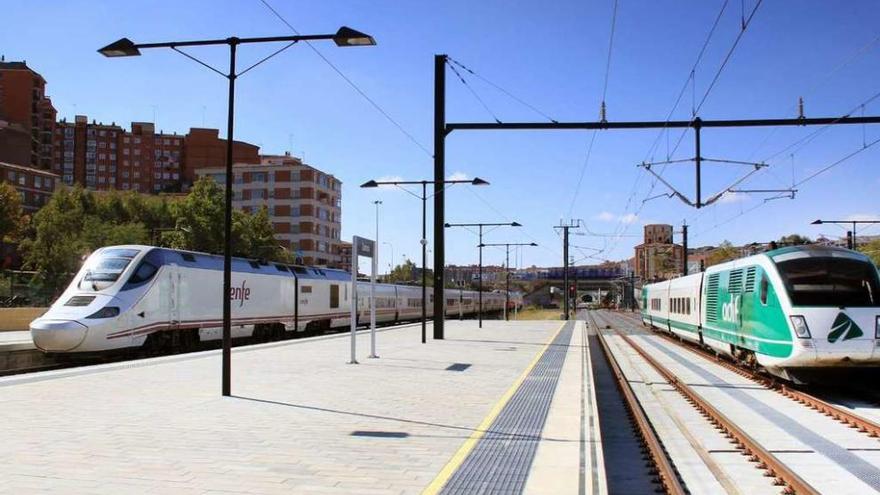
<point>554,56</point>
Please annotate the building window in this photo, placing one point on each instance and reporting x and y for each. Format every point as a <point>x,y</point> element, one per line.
<point>102,133</point>
<point>258,177</point>
<point>137,140</point>
<point>125,151</point>
<point>21,179</point>
<point>126,140</point>
<point>102,144</point>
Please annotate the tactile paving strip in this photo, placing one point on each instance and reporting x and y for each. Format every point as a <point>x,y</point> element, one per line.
<point>500,462</point>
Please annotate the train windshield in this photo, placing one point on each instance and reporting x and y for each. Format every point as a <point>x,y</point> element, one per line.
<point>109,265</point>
<point>830,282</point>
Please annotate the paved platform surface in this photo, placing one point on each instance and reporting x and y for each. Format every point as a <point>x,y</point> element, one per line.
<point>301,420</point>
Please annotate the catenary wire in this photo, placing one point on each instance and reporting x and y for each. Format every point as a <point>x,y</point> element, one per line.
<point>351,83</point>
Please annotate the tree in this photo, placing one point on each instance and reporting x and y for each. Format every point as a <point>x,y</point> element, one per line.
<point>403,273</point>
<point>12,219</point>
<point>724,252</point>
<point>872,249</point>
<point>199,223</point>
<point>794,240</point>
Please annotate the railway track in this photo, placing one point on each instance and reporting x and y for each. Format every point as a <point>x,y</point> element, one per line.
<point>840,414</point>
<point>804,452</point>
<point>761,457</point>
<point>666,474</point>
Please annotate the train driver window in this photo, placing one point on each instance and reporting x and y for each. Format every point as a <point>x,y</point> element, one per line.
<point>764,289</point>
<point>144,272</point>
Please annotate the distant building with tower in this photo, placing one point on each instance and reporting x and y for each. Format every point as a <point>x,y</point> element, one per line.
<point>658,257</point>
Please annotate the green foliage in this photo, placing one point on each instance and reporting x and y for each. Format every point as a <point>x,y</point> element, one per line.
<point>724,252</point>
<point>403,273</point>
<point>872,249</point>
<point>75,222</point>
<point>12,220</point>
<point>794,240</point>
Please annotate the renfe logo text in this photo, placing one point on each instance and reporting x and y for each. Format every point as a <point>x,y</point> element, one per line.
<point>240,294</point>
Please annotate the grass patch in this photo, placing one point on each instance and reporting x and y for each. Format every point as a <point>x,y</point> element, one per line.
<point>535,313</point>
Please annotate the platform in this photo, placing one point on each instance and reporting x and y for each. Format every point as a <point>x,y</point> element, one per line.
<point>441,417</point>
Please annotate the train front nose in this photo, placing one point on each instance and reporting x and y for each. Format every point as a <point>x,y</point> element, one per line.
<point>57,335</point>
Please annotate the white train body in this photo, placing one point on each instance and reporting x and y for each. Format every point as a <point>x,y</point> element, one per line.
<point>125,295</point>
<point>791,308</point>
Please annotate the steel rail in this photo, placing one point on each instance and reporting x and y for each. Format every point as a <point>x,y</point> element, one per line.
<point>852,420</point>
<point>665,469</point>
<point>767,461</point>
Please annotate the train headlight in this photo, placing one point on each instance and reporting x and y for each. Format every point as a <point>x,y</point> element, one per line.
<point>800,326</point>
<point>105,312</point>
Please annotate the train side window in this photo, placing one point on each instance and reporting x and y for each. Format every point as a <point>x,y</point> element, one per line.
<point>764,290</point>
<point>144,272</point>
<point>188,257</point>
<point>306,289</point>
<point>688,305</point>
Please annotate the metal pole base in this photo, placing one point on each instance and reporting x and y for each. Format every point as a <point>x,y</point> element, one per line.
<point>353,362</point>
<point>373,356</point>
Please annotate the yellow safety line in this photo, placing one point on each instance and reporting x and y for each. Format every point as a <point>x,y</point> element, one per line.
<point>458,458</point>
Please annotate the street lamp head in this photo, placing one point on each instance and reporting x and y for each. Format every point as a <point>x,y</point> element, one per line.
<point>121,48</point>
<point>347,36</point>
<point>370,183</point>
<point>515,224</point>
<point>534,244</point>
<point>479,182</point>
<point>447,225</point>
<point>816,222</point>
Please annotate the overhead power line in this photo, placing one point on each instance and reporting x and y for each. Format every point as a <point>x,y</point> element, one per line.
<point>502,90</point>
<point>743,27</point>
<point>351,83</point>
<point>580,180</point>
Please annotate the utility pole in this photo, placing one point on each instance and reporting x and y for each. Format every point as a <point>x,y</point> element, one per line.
<point>575,289</point>
<point>684,244</point>
<point>565,228</point>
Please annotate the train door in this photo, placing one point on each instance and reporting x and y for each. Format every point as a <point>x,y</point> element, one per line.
<point>173,296</point>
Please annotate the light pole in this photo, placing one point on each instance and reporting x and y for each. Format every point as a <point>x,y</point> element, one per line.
<point>476,181</point>
<point>480,266</point>
<point>507,267</point>
<point>391,263</point>
<point>124,47</point>
<point>852,245</point>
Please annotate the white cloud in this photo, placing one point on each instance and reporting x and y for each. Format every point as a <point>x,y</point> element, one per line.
<point>733,197</point>
<point>629,218</point>
<point>458,176</point>
<point>607,216</point>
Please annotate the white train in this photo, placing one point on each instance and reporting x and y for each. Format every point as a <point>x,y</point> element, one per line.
<point>792,310</point>
<point>158,298</point>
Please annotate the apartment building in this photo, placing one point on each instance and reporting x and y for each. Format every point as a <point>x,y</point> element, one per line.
<point>27,116</point>
<point>34,185</point>
<point>105,156</point>
<point>304,204</point>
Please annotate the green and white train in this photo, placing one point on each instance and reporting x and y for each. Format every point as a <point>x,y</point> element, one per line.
<point>790,310</point>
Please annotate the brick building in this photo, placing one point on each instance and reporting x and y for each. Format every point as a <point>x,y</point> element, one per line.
<point>34,185</point>
<point>303,204</point>
<point>27,117</point>
<point>658,258</point>
<point>106,156</point>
